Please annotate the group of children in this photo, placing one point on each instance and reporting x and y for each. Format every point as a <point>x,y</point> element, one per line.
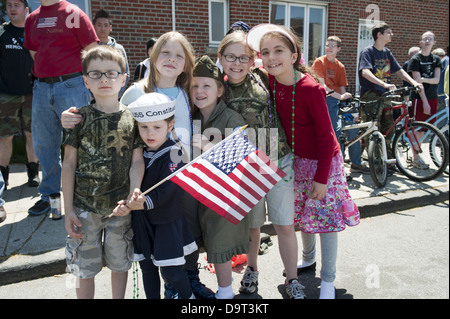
<point>111,160</point>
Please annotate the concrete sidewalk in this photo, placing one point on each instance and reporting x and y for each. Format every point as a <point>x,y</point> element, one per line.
<point>33,246</point>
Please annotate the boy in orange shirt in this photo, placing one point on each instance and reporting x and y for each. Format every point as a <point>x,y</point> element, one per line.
<point>331,74</point>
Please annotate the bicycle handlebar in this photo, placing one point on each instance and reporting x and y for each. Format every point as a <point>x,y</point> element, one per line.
<point>401,90</point>
<point>350,105</point>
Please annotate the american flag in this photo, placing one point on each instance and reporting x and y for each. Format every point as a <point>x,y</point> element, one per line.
<point>230,178</point>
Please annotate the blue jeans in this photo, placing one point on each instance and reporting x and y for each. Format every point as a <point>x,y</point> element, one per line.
<point>354,151</point>
<point>49,101</point>
<point>2,188</point>
<point>333,110</point>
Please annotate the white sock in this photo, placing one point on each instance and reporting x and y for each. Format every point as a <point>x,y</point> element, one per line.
<point>225,292</point>
<point>327,290</point>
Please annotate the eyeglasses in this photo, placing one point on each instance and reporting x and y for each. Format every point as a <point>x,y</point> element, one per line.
<point>427,39</point>
<point>232,58</point>
<point>331,46</point>
<point>95,75</point>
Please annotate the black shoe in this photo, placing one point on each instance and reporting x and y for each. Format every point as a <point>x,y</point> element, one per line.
<point>198,288</point>
<point>33,174</point>
<point>348,177</point>
<point>41,207</point>
<point>5,174</point>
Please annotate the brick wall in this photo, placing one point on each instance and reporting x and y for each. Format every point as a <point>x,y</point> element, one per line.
<point>134,21</point>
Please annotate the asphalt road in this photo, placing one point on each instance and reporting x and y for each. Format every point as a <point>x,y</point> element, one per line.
<point>401,255</point>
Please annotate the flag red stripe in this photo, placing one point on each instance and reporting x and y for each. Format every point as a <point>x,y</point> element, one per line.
<point>208,187</point>
<point>252,177</point>
<point>221,180</point>
<point>205,200</point>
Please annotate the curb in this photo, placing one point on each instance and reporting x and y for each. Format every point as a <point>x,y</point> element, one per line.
<point>22,267</point>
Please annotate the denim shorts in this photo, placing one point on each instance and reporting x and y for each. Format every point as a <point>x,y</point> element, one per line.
<point>279,200</point>
<point>106,241</point>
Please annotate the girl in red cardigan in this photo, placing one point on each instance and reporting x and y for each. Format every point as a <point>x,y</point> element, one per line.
<point>322,200</point>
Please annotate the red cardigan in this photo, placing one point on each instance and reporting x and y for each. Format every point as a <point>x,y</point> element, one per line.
<point>314,135</point>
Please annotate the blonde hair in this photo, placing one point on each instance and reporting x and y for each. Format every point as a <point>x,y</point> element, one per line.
<point>335,39</point>
<point>184,80</point>
<point>233,38</point>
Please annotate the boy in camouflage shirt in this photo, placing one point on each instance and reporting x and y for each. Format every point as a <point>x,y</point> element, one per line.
<point>102,165</point>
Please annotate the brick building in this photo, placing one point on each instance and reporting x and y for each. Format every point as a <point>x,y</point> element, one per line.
<point>204,22</point>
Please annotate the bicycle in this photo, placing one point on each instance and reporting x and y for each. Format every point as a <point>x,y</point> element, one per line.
<point>416,139</point>
<point>441,121</point>
<point>377,152</point>
<point>409,141</point>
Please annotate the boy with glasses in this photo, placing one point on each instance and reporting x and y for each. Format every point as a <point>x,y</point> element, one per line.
<point>332,76</point>
<point>425,68</point>
<point>103,164</point>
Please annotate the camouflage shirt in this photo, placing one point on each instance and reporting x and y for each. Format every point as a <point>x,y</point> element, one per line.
<point>251,100</point>
<point>105,143</point>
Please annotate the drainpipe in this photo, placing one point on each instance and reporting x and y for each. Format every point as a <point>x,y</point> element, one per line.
<point>173,15</point>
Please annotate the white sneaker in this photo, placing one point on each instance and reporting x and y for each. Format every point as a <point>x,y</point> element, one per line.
<point>419,163</point>
<point>327,290</point>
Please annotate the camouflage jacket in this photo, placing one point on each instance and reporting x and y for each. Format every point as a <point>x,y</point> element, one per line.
<point>105,142</point>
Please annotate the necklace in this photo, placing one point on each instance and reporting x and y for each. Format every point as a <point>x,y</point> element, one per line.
<point>293,116</point>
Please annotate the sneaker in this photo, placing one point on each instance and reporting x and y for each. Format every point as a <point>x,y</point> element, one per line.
<point>249,282</point>
<point>419,163</point>
<point>303,266</point>
<point>41,207</point>
<point>2,214</point>
<point>200,290</point>
<point>359,169</point>
<point>348,177</point>
<point>33,174</point>
<point>294,289</point>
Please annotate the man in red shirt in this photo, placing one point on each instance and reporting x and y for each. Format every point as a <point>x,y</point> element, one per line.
<point>55,35</point>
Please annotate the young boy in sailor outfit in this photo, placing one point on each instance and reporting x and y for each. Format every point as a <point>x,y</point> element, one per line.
<point>162,236</point>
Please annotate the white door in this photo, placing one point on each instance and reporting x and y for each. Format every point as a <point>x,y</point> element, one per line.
<point>365,39</point>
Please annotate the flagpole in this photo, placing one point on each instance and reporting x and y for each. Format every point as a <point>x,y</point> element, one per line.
<point>242,128</point>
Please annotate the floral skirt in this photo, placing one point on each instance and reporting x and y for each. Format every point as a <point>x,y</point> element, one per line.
<point>330,214</point>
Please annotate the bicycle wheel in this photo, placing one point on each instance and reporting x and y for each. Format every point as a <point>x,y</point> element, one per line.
<point>378,167</point>
<point>420,166</point>
<point>435,146</point>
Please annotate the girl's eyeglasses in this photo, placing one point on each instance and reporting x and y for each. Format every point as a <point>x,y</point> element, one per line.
<point>232,58</point>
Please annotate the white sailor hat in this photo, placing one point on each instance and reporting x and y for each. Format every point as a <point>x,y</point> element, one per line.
<point>152,107</point>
